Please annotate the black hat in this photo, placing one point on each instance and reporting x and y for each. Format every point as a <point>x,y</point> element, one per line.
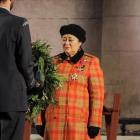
<point>75,30</point>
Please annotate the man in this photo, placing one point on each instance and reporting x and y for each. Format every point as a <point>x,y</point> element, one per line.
<point>16,72</point>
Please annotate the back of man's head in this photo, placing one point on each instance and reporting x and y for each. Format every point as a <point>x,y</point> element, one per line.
<point>2,1</point>
<point>7,3</point>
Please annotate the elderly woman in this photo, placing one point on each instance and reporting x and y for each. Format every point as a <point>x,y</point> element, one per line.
<point>79,114</point>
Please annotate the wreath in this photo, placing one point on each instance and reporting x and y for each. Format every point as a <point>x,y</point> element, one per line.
<point>45,70</point>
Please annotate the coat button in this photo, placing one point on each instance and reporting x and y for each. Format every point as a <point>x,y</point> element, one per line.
<point>54,117</point>
<point>67,88</point>
<point>65,115</point>
<point>66,102</point>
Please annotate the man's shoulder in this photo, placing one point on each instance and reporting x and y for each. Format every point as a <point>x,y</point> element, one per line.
<point>19,21</point>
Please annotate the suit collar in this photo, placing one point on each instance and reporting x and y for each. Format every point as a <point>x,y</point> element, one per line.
<point>75,58</point>
<point>4,10</point>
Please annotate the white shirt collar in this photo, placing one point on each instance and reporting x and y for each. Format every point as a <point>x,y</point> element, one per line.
<point>4,8</point>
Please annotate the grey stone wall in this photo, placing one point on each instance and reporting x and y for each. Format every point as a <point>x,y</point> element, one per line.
<point>121,54</point>
<point>47,16</point>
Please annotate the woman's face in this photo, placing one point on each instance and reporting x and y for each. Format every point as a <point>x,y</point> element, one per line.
<point>70,44</point>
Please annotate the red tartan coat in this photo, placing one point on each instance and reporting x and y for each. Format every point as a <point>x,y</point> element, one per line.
<point>80,102</point>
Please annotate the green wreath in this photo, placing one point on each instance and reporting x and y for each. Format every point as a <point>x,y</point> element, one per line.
<point>47,71</point>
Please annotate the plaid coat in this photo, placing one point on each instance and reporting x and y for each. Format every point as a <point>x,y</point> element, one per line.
<point>80,102</point>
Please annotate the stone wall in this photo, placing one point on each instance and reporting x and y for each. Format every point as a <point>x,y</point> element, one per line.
<point>47,16</point>
<point>121,54</point>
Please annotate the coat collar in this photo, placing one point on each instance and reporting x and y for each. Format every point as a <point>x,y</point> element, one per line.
<point>75,58</point>
<point>4,10</point>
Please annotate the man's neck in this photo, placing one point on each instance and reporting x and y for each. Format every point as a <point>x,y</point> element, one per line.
<point>4,7</point>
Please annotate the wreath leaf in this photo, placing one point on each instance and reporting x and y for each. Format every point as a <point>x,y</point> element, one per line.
<point>46,70</point>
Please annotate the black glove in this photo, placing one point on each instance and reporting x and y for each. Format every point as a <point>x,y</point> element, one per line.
<point>40,130</point>
<point>93,131</point>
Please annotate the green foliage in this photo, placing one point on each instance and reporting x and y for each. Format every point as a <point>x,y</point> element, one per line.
<point>53,80</point>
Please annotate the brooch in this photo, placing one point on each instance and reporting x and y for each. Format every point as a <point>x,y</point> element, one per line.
<point>83,60</point>
<point>81,68</point>
<point>74,77</point>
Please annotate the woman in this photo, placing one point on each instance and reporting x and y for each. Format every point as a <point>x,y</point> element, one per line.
<point>79,114</point>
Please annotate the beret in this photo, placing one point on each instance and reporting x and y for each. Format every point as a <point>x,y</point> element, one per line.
<point>75,30</point>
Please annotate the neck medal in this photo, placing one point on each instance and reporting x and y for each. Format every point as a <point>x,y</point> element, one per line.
<point>74,77</point>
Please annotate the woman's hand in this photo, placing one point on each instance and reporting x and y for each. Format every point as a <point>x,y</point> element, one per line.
<point>93,131</point>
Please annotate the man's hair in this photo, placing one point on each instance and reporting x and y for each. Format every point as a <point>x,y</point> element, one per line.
<point>3,1</point>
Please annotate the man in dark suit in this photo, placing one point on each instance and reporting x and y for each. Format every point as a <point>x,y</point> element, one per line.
<point>16,72</point>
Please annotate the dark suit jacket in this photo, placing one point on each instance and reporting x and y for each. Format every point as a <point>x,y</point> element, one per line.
<point>16,67</point>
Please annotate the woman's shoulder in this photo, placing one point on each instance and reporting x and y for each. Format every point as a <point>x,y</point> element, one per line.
<point>92,60</point>
<point>90,57</point>
<point>57,56</point>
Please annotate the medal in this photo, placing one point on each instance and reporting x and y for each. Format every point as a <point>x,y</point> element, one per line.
<point>74,77</point>
<point>81,68</point>
<point>83,60</point>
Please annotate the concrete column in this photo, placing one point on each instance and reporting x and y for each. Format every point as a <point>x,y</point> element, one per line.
<point>121,54</point>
